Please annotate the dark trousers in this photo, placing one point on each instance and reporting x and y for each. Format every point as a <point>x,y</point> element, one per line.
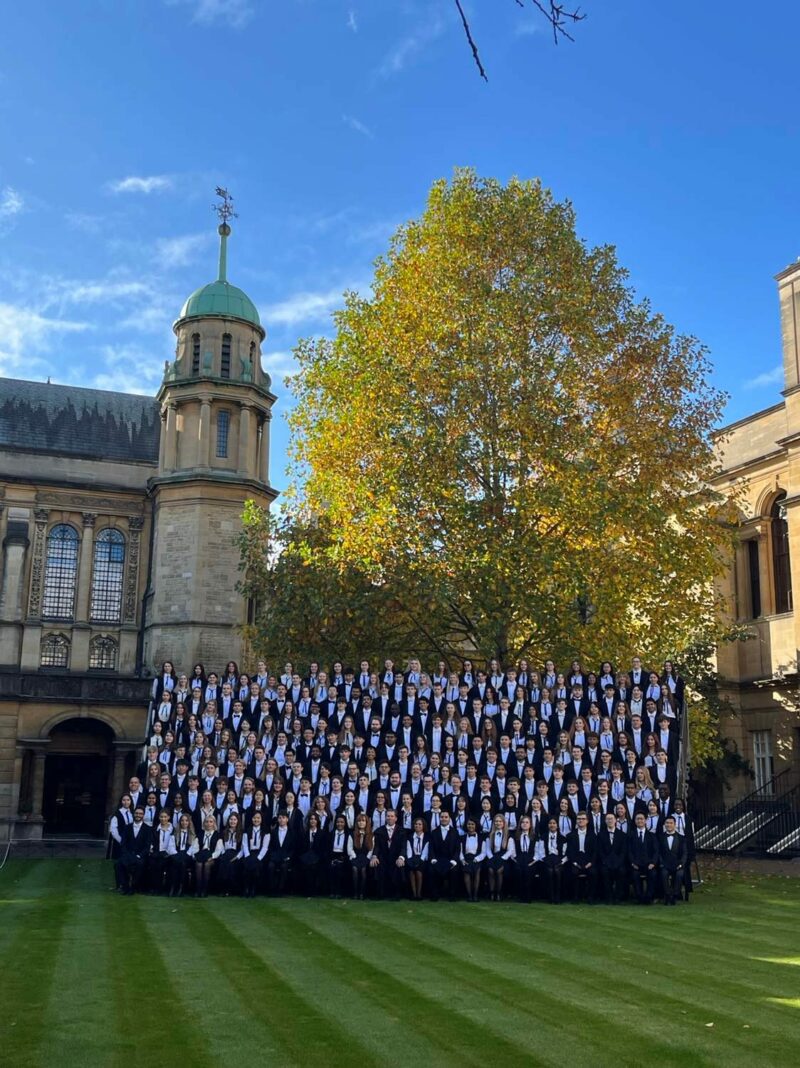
<point>613,885</point>
<point>644,883</point>
<point>583,882</point>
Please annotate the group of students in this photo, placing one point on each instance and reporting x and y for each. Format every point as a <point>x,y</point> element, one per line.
<point>498,782</point>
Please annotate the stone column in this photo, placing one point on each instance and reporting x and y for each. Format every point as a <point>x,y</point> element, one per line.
<point>204,433</point>
<point>15,547</point>
<point>171,444</point>
<point>162,440</point>
<point>263,464</point>
<point>37,783</point>
<point>85,568</point>
<point>245,420</point>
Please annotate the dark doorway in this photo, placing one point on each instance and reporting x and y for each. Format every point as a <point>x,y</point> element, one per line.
<point>76,778</point>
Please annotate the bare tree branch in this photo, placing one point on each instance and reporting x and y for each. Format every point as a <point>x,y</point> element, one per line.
<point>470,40</point>
<point>556,14</point>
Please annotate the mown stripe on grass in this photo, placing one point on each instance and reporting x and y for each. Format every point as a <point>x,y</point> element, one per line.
<point>654,988</point>
<point>208,996</point>
<point>27,962</point>
<point>305,1033</point>
<point>432,1005</point>
<point>530,1008</point>
<point>142,995</point>
<point>311,975</point>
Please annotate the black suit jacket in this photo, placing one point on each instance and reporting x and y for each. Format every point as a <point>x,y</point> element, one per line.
<point>674,858</point>
<point>136,846</point>
<point>612,855</point>
<point>589,855</point>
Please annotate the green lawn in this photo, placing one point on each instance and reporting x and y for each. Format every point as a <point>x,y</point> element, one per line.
<point>89,979</point>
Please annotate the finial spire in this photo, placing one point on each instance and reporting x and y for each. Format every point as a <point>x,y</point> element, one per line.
<point>224,211</point>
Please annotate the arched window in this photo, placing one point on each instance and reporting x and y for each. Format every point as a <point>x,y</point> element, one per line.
<point>103,653</point>
<point>223,427</point>
<point>225,361</point>
<point>107,576</point>
<point>60,572</point>
<point>195,354</point>
<point>55,651</point>
<point>781,569</point>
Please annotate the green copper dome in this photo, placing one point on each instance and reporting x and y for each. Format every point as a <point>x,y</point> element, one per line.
<point>220,298</point>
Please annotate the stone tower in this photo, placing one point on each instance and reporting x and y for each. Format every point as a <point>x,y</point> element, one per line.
<point>215,409</point>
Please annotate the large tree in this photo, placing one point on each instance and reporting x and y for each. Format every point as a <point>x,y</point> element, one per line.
<point>507,442</point>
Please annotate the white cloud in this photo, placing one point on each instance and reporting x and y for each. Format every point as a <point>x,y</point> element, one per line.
<point>26,336</point>
<point>11,203</point>
<point>66,291</point>
<point>180,251</point>
<point>84,221</point>
<point>352,21</point>
<point>410,47</point>
<point>357,125</point>
<point>156,183</point>
<point>235,13</point>
<point>526,28</point>
<point>306,307</point>
<point>128,369</point>
<point>278,364</point>
<point>772,377</point>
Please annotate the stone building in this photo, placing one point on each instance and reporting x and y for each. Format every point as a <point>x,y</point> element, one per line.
<point>760,456</point>
<point>118,520</point>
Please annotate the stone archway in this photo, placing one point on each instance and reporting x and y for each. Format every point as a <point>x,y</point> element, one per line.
<point>76,777</point>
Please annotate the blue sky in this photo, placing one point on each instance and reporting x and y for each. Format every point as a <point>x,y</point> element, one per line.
<point>673,128</point>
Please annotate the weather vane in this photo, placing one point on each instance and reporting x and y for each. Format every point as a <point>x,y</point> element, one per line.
<point>225,209</point>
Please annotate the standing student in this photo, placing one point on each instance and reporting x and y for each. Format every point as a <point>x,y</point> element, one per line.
<point>234,850</point>
<point>643,855</point>
<point>445,849</point>
<point>388,856</point>
<point>208,850</point>
<point>135,849</point>
<point>256,841</point>
<point>472,859</point>
<point>363,848</point>
<point>417,852</point>
<point>581,858</point>
<point>182,862</point>
<point>121,819</point>
<point>498,848</point>
<point>525,859</point>
<point>672,849</point>
<point>313,854</point>
<point>612,854</point>
<point>281,854</point>
<point>160,861</point>
<point>340,855</point>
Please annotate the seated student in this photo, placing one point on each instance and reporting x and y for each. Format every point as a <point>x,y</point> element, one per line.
<point>612,852</point>
<point>183,861</point>
<point>208,848</point>
<point>135,849</point>
<point>472,857</point>
<point>280,856</point>
<point>341,853</point>
<point>581,860</point>
<point>445,850</point>
<point>672,852</point>
<point>498,848</point>
<point>417,852</point>
<point>160,867</point>
<point>363,849</point>
<point>643,856</point>
<point>255,844</point>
